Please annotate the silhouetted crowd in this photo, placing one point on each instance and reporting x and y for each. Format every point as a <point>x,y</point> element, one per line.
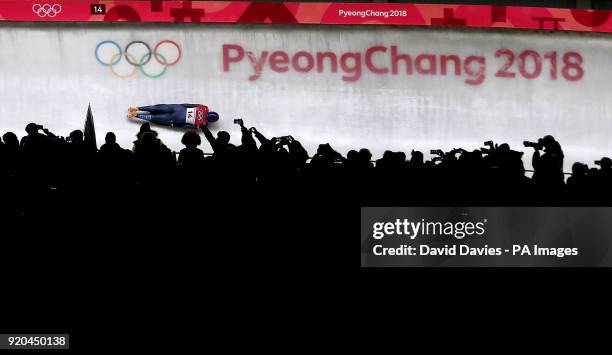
<point>45,174</point>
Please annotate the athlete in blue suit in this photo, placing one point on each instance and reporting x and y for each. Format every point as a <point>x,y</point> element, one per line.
<point>175,115</point>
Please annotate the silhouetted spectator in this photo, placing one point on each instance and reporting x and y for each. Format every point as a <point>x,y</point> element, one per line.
<point>605,169</point>
<point>47,168</point>
<point>41,157</point>
<point>191,157</point>
<point>10,155</point>
<point>219,145</point>
<point>114,163</point>
<point>110,149</point>
<point>326,157</point>
<point>416,160</point>
<point>35,142</point>
<point>144,128</point>
<point>154,162</point>
<point>579,176</point>
<point>548,166</point>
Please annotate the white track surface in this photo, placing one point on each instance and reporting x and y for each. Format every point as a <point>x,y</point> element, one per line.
<point>49,74</point>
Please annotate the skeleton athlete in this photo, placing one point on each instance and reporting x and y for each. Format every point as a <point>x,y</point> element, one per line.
<point>175,115</point>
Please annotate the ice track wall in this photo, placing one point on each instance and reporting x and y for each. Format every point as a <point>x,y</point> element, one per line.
<point>375,87</point>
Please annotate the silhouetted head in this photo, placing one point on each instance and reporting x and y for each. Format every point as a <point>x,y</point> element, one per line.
<point>351,155</point>
<point>365,155</point>
<point>605,163</point>
<point>325,150</point>
<point>191,139</point>
<point>212,116</point>
<point>503,147</point>
<point>550,144</point>
<point>401,157</point>
<point>387,155</point>
<point>321,149</point>
<point>145,127</point>
<point>148,141</point>
<point>32,128</point>
<point>110,138</point>
<point>223,137</point>
<point>76,136</point>
<point>417,157</point>
<point>10,139</point>
<point>579,169</point>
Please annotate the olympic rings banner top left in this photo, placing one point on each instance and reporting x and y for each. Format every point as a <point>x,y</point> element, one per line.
<point>481,16</point>
<point>138,55</point>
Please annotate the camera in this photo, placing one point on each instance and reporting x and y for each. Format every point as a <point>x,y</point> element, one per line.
<point>436,152</point>
<point>538,145</point>
<point>239,121</point>
<point>489,143</point>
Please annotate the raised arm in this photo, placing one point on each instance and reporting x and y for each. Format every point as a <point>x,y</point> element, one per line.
<point>535,159</point>
<point>247,138</point>
<point>298,152</point>
<point>210,138</point>
<point>48,133</point>
<point>260,137</point>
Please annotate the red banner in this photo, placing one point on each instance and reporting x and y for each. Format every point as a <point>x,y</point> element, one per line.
<point>307,13</point>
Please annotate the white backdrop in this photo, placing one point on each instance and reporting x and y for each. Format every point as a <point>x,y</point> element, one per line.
<point>50,74</point>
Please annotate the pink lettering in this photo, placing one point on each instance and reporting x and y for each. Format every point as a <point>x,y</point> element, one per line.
<point>368,59</point>
<point>228,58</point>
<point>257,64</point>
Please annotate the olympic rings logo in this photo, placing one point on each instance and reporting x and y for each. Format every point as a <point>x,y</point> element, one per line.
<point>136,63</point>
<point>47,10</point>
